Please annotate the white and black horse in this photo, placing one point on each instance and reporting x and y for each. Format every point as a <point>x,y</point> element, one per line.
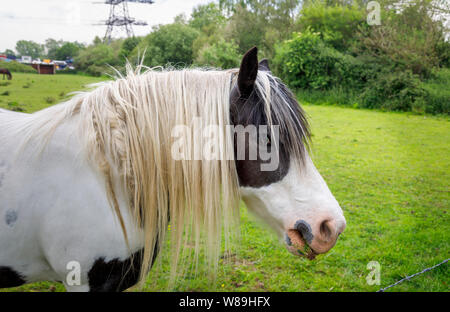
<point>63,169</point>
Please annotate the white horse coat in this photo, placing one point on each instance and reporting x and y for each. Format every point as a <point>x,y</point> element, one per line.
<point>53,207</point>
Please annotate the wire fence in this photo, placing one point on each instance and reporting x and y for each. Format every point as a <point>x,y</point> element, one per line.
<point>413,275</point>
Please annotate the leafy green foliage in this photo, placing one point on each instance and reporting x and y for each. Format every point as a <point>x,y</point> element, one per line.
<point>335,24</point>
<point>9,52</point>
<point>323,48</point>
<point>207,16</point>
<point>436,99</point>
<point>127,47</point>
<point>222,54</point>
<point>62,50</point>
<point>395,91</point>
<point>246,29</point>
<point>412,38</point>
<point>259,23</point>
<point>385,67</point>
<point>16,67</point>
<point>52,46</point>
<point>29,48</point>
<point>306,61</point>
<point>168,44</point>
<point>94,59</point>
<point>68,50</point>
<point>209,21</point>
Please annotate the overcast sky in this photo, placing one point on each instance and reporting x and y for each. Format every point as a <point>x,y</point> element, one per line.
<point>72,20</point>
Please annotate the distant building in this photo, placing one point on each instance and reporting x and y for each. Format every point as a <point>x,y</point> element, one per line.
<point>25,59</point>
<point>44,68</point>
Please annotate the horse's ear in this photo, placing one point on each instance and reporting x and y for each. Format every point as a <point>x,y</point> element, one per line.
<point>264,65</point>
<point>248,72</point>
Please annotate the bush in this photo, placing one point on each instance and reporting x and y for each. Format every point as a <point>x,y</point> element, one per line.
<point>306,61</point>
<point>396,66</point>
<point>335,24</point>
<point>443,51</point>
<point>333,96</point>
<point>17,67</point>
<point>94,60</point>
<point>398,91</point>
<point>221,54</point>
<point>437,97</point>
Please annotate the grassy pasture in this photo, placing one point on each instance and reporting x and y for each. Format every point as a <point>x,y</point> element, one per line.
<point>389,171</point>
<point>32,92</point>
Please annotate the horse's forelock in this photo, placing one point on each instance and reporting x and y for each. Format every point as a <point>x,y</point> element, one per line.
<point>280,107</point>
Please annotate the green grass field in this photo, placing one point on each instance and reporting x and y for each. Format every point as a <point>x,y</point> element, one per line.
<point>32,92</point>
<point>389,171</point>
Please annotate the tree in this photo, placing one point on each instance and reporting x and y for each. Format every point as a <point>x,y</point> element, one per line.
<point>52,46</point>
<point>97,40</point>
<point>127,47</point>
<point>246,28</point>
<point>207,16</point>
<point>261,23</point>
<point>68,50</point>
<point>410,37</point>
<point>29,48</point>
<point>168,44</point>
<point>337,25</point>
<point>9,52</point>
<point>209,21</point>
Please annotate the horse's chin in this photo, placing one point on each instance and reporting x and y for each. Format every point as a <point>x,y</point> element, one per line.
<point>297,246</point>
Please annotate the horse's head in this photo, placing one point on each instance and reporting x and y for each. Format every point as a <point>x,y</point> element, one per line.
<point>283,187</point>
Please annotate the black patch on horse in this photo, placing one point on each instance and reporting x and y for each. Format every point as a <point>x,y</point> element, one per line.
<point>10,278</point>
<point>247,108</point>
<point>117,275</point>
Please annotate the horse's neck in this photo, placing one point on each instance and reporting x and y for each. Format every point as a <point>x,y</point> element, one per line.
<point>21,131</point>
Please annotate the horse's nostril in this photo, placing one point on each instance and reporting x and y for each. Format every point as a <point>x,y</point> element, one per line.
<point>326,229</point>
<point>305,230</point>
